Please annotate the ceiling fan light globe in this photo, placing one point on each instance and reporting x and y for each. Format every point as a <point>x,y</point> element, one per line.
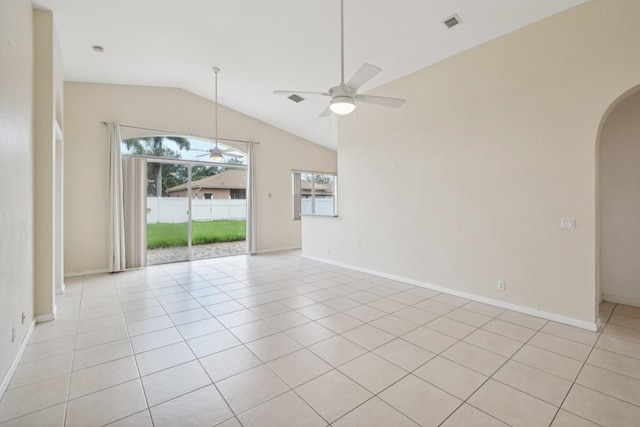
<point>216,155</point>
<point>342,105</point>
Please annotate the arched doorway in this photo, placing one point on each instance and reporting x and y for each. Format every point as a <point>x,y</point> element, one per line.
<point>619,201</point>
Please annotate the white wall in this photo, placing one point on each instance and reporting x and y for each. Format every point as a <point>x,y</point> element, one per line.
<point>176,110</point>
<point>16,163</point>
<point>497,144</point>
<point>620,203</point>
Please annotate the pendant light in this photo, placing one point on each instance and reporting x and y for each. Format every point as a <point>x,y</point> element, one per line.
<point>216,153</point>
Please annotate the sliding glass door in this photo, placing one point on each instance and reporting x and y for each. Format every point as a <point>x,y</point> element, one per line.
<point>196,197</point>
<point>168,216</point>
<point>219,211</point>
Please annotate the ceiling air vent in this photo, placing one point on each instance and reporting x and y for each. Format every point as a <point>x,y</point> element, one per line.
<point>296,98</point>
<point>452,21</point>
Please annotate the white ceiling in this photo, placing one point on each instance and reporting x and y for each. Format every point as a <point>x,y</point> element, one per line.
<point>263,45</point>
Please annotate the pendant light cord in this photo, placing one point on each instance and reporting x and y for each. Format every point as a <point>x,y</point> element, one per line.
<point>342,42</point>
<point>216,70</point>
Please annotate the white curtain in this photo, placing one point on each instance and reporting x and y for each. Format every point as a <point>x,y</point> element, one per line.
<point>252,226</point>
<point>134,179</point>
<point>116,239</point>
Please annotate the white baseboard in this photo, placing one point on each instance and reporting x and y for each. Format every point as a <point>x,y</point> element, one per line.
<point>61,290</point>
<point>591,326</point>
<point>268,251</point>
<point>85,273</point>
<point>48,317</point>
<point>621,300</point>
<point>16,360</point>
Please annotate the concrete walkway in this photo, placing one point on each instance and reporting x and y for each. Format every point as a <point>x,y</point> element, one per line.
<point>214,250</point>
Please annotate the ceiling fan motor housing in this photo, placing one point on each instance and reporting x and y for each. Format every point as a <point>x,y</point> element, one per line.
<point>342,91</point>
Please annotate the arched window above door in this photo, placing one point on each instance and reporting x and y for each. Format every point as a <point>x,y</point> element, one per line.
<point>184,148</point>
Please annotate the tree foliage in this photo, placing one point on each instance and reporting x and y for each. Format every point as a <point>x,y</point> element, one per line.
<point>169,175</point>
<point>317,178</point>
<point>155,146</point>
<point>157,173</point>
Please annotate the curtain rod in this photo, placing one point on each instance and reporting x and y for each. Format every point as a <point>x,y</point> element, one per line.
<point>184,134</point>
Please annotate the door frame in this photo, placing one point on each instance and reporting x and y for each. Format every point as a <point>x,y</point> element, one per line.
<point>190,164</point>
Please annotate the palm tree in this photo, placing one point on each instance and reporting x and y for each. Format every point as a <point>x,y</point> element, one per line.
<point>154,146</point>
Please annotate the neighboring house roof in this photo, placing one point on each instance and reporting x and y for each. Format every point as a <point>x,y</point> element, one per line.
<point>305,186</point>
<point>233,179</point>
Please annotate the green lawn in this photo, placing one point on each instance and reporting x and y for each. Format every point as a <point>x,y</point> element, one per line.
<point>170,235</point>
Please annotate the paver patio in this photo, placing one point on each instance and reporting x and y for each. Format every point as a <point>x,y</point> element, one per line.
<point>213,250</point>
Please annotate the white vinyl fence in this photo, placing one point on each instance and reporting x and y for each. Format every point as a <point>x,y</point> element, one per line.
<point>324,205</point>
<point>174,209</point>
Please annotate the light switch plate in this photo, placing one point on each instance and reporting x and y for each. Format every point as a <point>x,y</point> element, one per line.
<point>567,223</point>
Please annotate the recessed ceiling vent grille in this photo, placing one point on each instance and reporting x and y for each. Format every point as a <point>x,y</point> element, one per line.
<point>452,21</point>
<point>296,98</point>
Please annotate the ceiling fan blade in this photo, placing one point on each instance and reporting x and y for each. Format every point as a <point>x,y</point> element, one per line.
<point>381,100</point>
<point>290,92</point>
<point>363,75</point>
<point>238,156</point>
<point>326,112</point>
<point>202,155</point>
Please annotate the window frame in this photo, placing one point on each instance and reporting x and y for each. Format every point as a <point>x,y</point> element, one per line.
<point>297,195</point>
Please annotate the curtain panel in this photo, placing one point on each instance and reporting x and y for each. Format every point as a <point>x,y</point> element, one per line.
<point>134,196</point>
<point>115,237</point>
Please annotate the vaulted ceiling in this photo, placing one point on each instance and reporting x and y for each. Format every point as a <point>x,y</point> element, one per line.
<point>261,46</point>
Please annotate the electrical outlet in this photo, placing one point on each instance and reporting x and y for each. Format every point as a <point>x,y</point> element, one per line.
<point>502,285</point>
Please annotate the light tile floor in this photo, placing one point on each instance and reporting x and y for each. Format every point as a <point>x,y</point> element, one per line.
<point>278,340</point>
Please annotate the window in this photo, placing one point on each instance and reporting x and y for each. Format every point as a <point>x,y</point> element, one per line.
<point>238,193</point>
<point>314,194</point>
<point>207,196</point>
<point>183,148</point>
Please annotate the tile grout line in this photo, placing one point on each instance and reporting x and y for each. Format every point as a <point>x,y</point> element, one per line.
<point>489,377</point>
<point>574,381</point>
<point>73,357</point>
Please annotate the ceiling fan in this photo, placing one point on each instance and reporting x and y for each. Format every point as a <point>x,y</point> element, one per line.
<point>216,154</point>
<point>344,95</point>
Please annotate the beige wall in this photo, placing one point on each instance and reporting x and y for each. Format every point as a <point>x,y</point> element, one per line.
<point>16,163</point>
<point>499,144</point>
<point>620,203</point>
<point>48,88</point>
<point>175,110</point>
